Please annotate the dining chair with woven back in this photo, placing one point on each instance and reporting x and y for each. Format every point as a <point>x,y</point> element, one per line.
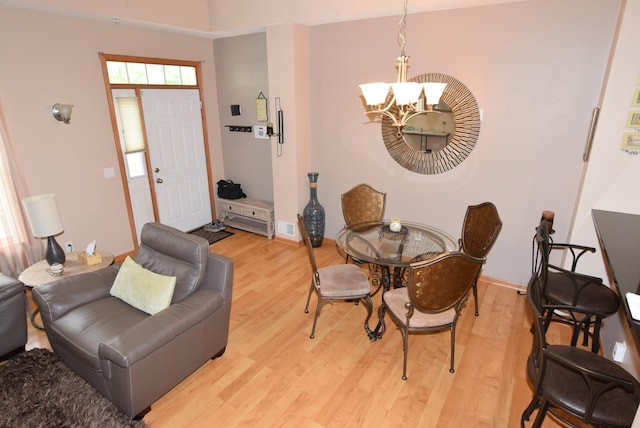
<point>575,385</point>
<point>436,291</point>
<point>584,300</point>
<point>362,204</point>
<point>343,282</point>
<point>480,229</point>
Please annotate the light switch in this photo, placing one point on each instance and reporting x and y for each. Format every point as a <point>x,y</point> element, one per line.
<point>109,172</point>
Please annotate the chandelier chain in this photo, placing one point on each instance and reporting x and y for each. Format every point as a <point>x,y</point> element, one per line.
<point>402,32</point>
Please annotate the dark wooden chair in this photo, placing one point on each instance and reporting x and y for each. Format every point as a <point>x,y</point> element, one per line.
<point>436,291</point>
<point>573,383</point>
<point>344,282</point>
<point>581,301</point>
<point>480,229</point>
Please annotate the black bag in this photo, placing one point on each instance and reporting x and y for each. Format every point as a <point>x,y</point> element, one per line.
<point>227,189</point>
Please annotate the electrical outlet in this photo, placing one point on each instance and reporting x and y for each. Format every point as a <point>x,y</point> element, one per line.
<point>69,246</point>
<point>619,350</point>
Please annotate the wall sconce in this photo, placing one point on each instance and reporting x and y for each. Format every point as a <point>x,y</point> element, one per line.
<point>62,112</point>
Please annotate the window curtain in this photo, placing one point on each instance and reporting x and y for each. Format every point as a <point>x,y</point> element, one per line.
<point>131,122</point>
<point>18,249</point>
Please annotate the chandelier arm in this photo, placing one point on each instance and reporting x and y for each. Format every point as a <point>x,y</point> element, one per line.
<point>390,103</point>
<point>387,106</point>
<point>407,117</point>
<point>392,117</point>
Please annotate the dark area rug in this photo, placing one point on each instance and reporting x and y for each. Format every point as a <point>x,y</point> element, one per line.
<point>38,390</point>
<point>212,236</point>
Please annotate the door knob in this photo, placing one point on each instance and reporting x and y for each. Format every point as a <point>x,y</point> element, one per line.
<point>157,169</point>
<point>159,180</point>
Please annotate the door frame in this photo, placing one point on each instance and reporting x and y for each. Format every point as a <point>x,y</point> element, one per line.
<point>116,134</point>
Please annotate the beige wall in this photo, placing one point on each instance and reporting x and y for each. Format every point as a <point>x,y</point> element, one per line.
<point>241,74</point>
<point>536,84</point>
<point>611,172</point>
<point>48,59</point>
<point>288,51</point>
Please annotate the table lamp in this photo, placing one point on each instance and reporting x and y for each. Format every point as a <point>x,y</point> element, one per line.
<point>44,220</point>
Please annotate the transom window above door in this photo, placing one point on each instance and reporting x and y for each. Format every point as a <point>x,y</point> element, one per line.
<point>121,72</point>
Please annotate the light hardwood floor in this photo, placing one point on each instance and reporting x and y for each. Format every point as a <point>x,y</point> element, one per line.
<point>273,374</point>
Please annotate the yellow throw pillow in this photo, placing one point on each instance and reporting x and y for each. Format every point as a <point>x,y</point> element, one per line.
<point>145,290</point>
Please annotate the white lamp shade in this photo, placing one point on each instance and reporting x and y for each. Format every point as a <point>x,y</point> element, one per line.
<point>433,91</point>
<point>375,93</point>
<point>42,214</point>
<point>406,92</point>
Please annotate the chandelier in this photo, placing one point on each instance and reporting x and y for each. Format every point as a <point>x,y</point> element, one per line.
<point>411,98</point>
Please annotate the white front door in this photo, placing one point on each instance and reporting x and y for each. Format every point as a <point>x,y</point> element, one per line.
<point>175,139</point>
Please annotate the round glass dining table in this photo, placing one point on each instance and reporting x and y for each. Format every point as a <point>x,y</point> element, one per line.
<point>376,243</point>
<point>389,253</point>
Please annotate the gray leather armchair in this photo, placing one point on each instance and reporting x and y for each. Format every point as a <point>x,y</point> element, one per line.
<point>13,318</point>
<point>131,357</point>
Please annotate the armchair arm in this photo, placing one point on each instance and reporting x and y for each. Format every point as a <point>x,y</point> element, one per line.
<point>573,248</point>
<point>9,287</point>
<point>219,275</point>
<point>160,329</point>
<point>58,298</point>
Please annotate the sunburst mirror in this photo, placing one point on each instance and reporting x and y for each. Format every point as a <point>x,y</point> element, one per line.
<point>438,141</point>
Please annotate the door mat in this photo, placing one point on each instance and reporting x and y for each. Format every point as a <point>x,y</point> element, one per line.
<point>212,236</point>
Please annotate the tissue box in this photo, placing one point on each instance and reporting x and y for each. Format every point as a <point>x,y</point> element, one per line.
<point>89,259</point>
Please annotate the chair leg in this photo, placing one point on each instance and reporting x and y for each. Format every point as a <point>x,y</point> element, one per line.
<point>542,412</point>
<point>306,308</point>
<point>595,345</point>
<point>535,402</point>
<point>315,318</point>
<point>369,305</point>
<point>453,346</point>
<point>547,320</point>
<point>383,327</point>
<point>585,334</point>
<point>405,348</point>
<point>475,295</point>
<point>577,328</point>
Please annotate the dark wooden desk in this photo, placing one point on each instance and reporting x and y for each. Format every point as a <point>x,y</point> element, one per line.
<point>619,236</point>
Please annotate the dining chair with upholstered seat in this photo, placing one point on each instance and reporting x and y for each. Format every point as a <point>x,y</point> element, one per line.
<point>573,383</point>
<point>584,299</point>
<point>363,204</point>
<point>436,291</point>
<point>480,229</point>
<point>343,282</point>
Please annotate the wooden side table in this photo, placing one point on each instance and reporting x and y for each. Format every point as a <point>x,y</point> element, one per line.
<point>37,274</point>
